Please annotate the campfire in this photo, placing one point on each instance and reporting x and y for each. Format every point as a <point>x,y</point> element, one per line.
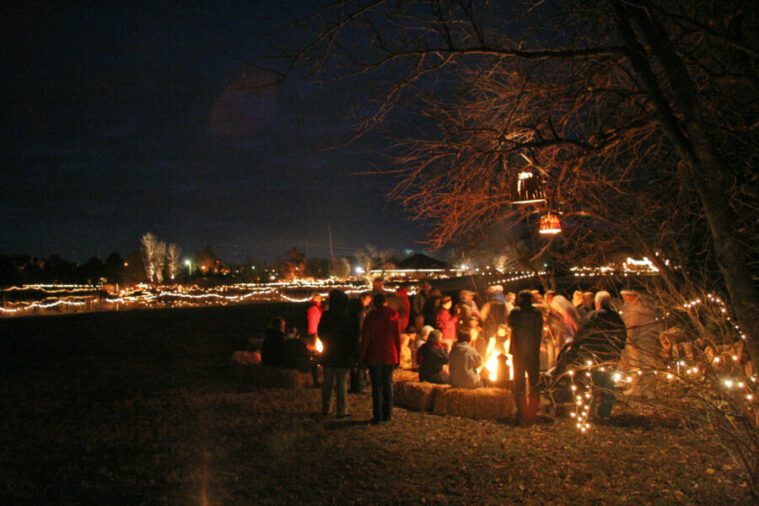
<point>491,359</point>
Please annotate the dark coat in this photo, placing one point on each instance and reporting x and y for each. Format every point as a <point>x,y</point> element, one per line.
<point>381,338</point>
<point>496,315</point>
<point>526,331</point>
<point>272,352</point>
<point>432,358</point>
<point>296,355</point>
<point>338,331</point>
<point>602,335</point>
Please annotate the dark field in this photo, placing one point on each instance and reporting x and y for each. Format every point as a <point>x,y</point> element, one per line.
<point>139,407</point>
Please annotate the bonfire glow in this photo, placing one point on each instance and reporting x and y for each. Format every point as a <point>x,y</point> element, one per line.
<point>491,359</point>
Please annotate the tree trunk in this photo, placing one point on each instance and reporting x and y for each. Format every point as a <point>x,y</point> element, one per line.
<point>696,147</point>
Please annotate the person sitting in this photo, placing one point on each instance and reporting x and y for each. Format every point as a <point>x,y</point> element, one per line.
<point>446,322</point>
<point>297,355</point>
<point>432,358</point>
<point>464,364</point>
<point>417,343</point>
<point>274,339</point>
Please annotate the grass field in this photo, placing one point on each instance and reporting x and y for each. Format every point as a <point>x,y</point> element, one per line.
<point>139,408</point>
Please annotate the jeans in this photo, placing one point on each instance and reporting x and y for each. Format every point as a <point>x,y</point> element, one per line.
<point>338,377</point>
<point>529,365</point>
<point>382,391</point>
<point>603,393</point>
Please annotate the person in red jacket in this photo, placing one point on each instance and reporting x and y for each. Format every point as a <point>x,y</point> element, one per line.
<point>446,323</point>
<point>381,351</point>
<point>404,308</point>
<point>314,314</point>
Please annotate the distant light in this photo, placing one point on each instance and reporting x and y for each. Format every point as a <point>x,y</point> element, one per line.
<point>359,270</point>
<point>187,263</point>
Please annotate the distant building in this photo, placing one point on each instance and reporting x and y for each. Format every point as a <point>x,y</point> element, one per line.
<point>417,266</point>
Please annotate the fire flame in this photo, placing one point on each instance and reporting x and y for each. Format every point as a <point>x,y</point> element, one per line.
<point>319,345</point>
<point>491,359</point>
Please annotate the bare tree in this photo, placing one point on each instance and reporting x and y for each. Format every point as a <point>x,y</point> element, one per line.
<point>173,254</point>
<point>639,115</point>
<point>340,267</point>
<point>159,261</point>
<point>148,246</point>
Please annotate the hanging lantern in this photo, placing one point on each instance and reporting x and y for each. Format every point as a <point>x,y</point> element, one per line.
<point>550,224</point>
<point>529,188</point>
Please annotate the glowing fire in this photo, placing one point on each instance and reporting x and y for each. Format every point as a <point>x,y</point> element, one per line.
<point>319,345</point>
<point>491,359</point>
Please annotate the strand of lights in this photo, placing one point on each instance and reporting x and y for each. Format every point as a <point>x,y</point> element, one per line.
<point>517,276</point>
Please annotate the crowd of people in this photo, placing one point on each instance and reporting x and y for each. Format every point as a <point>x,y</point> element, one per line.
<point>448,342</point>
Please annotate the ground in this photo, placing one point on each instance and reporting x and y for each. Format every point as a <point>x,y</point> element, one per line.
<point>139,408</point>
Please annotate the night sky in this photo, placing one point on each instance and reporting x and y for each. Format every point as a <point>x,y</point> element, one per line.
<point>125,119</point>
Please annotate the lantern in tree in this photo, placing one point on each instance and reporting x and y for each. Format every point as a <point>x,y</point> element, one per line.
<point>550,224</point>
<point>529,188</point>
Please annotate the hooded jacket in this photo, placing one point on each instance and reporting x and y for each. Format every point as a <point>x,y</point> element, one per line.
<point>381,338</point>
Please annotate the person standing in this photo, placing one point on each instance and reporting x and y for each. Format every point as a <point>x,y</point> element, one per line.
<point>467,307</point>
<point>526,324</point>
<point>494,311</point>
<point>419,303</point>
<point>643,350</point>
<point>358,309</point>
<point>313,315</point>
<point>380,351</point>
<point>601,339</point>
<point>339,332</point>
<point>446,323</point>
<point>404,307</point>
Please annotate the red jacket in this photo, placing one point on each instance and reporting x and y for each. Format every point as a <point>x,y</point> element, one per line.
<point>447,324</point>
<point>381,338</point>
<point>404,308</point>
<point>314,314</point>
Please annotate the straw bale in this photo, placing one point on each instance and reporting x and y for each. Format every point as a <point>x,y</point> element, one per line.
<point>401,375</point>
<point>415,395</point>
<point>246,357</point>
<point>277,377</point>
<point>241,361</point>
<point>479,403</point>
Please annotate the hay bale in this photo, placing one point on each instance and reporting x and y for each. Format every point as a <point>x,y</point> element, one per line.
<point>478,403</point>
<point>415,395</point>
<point>241,361</point>
<point>401,375</point>
<point>246,357</point>
<point>277,377</point>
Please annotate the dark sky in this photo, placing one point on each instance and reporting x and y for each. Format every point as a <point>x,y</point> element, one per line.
<point>130,118</point>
